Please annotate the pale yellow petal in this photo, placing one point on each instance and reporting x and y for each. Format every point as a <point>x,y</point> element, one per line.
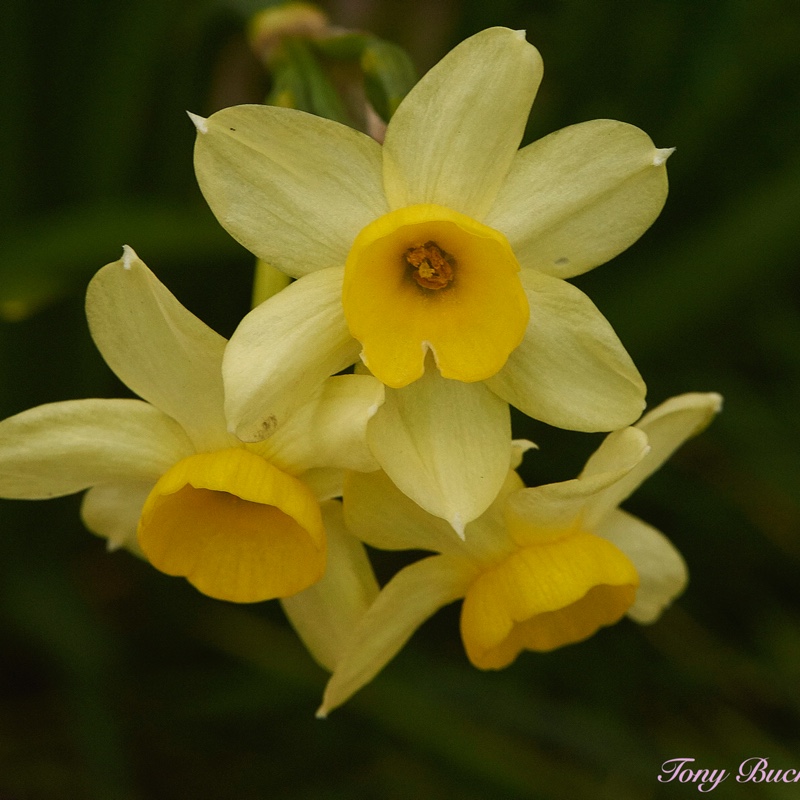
<point>329,429</point>
<point>580,196</point>
<point>293,188</point>
<point>325,483</point>
<point>283,351</point>
<point>488,538</point>
<point>62,448</point>
<point>382,516</point>
<point>378,513</point>
<point>541,513</point>
<point>326,614</point>
<point>413,595</point>
<point>662,570</point>
<point>112,510</point>
<point>571,369</point>
<point>667,427</point>
<point>454,136</point>
<point>159,348</point>
<point>445,444</point>
<point>518,449</point>
<point>267,281</point>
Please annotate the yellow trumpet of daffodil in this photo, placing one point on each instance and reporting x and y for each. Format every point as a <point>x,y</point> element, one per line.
<point>166,480</point>
<point>438,258</point>
<point>541,568</point>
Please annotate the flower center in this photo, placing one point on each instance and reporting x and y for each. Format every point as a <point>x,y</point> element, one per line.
<point>424,278</point>
<point>235,526</point>
<point>431,267</point>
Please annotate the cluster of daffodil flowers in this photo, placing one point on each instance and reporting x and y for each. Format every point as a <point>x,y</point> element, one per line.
<point>437,262</point>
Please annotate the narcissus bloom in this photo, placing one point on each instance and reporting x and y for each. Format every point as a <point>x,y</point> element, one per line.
<point>165,477</point>
<point>442,253</point>
<point>543,567</point>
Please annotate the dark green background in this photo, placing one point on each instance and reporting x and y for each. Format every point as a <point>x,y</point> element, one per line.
<point>117,682</point>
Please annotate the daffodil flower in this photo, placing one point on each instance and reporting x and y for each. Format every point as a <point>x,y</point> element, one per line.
<point>542,568</point>
<point>165,477</point>
<point>441,255</point>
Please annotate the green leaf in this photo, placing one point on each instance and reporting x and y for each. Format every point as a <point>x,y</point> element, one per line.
<point>389,75</point>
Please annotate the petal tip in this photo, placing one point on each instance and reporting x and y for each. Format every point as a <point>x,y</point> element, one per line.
<point>518,449</point>
<point>201,123</point>
<point>457,524</point>
<point>661,155</point>
<point>322,712</point>
<point>524,445</point>
<point>128,256</point>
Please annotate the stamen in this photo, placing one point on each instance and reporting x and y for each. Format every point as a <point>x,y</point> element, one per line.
<point>432,267</point>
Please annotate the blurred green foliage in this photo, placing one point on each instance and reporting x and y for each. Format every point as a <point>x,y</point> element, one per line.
<point>118,683</point>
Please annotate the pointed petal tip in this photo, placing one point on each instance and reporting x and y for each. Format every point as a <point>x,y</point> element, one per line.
<point>322,712</point>
<point>661,155</point>
<point>520,35</point>
<point>712,402</point>
<point>201,123</point>
<point>524,445</point>
<point>518,449</point>
<point>458,526</point>
<point>128,256</point>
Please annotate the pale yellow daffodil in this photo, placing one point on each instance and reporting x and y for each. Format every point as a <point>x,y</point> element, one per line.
<point>543,567</point>
<point>168,481</point>
<point>438,257</point>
